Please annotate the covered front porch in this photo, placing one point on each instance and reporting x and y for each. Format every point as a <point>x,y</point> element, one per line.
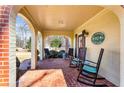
<point>69,22</point>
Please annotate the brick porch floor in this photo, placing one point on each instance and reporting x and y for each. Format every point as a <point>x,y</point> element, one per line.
<point>70,74</point>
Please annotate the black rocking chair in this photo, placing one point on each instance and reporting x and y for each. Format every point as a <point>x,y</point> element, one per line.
<point>89,72</point>
<point>47,53</point>
<point>70,53</point>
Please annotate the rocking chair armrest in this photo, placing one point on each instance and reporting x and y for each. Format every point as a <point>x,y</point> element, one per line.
<point>91,61</point>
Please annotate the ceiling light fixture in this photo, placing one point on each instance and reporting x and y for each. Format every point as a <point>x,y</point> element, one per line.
<point>60,22</point>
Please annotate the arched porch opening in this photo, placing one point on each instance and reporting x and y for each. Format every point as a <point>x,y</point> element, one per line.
<point>65,42</point>
<point>12,47</point>
<point>23,39</point>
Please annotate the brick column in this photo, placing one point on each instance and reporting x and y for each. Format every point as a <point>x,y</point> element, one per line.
<point>4,45</point>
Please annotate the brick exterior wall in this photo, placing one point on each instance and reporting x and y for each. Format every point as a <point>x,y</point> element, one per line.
<point>8,46</point>
<point>4,45</point>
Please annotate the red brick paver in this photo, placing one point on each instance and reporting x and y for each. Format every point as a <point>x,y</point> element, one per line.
<point>70,74</point>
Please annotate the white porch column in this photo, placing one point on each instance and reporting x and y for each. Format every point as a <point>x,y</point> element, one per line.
<point>34,50</point>
<point>39,44</point>
<point>122,53</point>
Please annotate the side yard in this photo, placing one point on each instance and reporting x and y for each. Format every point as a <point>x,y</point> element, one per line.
<point>23,55</point>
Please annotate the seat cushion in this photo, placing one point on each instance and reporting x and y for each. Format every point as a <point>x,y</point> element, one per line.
<point>75,59</point>
<point>90,69</point>
<point>74,62</point>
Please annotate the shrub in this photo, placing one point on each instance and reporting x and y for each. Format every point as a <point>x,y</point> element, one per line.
<point>56,43</point>
<point>29,44</point>
<point>38,57</point>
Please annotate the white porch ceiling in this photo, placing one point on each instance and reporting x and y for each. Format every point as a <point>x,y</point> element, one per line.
<point>62,17</point>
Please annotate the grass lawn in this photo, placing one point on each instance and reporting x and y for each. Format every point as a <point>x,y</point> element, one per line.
<point>23,55</point>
